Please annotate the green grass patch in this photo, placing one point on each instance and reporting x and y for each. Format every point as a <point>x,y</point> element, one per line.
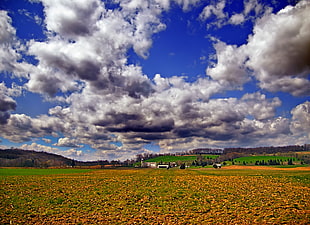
<point>170,158</point>
<point>36,171</point>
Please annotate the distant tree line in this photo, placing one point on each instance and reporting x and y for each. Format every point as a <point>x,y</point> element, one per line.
<point>268,150</point>
<point>203,161</point>
<point>272,162</point>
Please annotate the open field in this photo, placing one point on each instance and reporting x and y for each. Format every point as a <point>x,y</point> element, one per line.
<point>36,171</point>
<point>234,195</point>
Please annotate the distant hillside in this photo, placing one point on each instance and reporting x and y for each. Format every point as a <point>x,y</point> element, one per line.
<point>26,158</point>
<point>269,150</point>
<point>29,158</point>
<point>170,158</point>
<point>256,150</point>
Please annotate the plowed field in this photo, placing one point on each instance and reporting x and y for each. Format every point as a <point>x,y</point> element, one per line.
<point>155,196</point>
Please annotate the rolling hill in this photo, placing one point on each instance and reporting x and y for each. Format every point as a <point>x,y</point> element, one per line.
<point>27,158</point>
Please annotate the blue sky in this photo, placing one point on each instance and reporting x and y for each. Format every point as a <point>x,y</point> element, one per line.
<point>96,80</point>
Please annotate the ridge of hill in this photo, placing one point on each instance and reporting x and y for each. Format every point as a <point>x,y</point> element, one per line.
<point>184,158</point>
<point>29,158</point>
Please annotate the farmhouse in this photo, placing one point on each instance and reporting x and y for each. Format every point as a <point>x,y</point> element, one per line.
<point>163,166</point>
<point>158,165</point>
<point>217,165</point>
<point>149,164</point>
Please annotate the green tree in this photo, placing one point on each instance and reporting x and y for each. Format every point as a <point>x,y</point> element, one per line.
<point>290,162</point>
